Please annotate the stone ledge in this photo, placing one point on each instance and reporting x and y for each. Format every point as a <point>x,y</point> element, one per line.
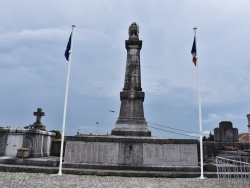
<point>131,139</point>
<point>135,43</point>
<point>44,161</point>
<point>131,167</point>
<point>125,132</point>
<point>29,131</point>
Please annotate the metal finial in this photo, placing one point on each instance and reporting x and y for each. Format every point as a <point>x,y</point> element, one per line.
<point>194,30</point>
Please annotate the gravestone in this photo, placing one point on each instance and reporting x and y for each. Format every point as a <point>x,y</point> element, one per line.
<point>131,121</point>
<point>226,132</point>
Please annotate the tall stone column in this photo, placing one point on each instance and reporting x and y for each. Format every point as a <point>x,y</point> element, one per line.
<point>131,121</point>
<point>248,118</point>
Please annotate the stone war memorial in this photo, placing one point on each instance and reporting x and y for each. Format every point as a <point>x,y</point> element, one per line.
<point>130,145</point>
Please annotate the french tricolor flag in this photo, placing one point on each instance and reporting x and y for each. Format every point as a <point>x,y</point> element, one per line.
<point>193,52</point>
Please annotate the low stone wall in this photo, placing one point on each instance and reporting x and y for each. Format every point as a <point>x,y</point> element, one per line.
<point>142,151</point>
<point>212,148</point>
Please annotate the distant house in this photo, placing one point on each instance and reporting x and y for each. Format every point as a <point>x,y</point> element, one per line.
<point>244,137</point>
<point>90,134</point>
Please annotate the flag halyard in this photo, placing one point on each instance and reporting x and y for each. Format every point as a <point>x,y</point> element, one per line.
<point>68,49</point>
<point>194,52</point>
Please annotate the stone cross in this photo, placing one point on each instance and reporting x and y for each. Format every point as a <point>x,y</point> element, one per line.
<point>39,113</point>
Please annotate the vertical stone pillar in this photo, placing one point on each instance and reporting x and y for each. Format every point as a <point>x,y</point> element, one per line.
<point>248,118</point>
<point>131,121</point>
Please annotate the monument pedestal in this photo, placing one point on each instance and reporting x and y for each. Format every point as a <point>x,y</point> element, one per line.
<point>37,126</point>
<point>124,151</point>
<point>131,127</point>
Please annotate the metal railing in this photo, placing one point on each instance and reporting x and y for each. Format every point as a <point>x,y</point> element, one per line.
<point>233,172</point>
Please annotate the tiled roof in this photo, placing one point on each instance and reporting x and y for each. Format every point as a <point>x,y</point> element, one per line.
<point>244,137</point>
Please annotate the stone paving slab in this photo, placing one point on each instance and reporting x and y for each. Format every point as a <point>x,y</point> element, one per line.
<point>31,180</point>
<point>49,165</point>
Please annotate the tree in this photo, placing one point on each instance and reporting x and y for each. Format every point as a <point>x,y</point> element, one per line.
<point>204,138</point>
<point>58,134</point>
<point>209,138</point>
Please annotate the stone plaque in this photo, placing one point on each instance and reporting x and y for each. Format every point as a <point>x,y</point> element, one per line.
<point>188,154</point>
<point>170,154</point>
<point>133,153</point>
<point>92,152</point>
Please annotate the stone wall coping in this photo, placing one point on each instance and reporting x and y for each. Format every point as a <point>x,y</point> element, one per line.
<point>238,152</point>
<point>130,139</point>
<point>27,131</point>
<point>225,143</point>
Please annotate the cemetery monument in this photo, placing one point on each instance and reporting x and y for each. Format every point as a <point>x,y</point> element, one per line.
<point>226,132</point>
<point>131,144</point>
<point>33,137</point>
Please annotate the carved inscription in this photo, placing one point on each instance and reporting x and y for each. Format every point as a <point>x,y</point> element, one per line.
<point>157,151</point>
<point>77,148</point>
<point>148,152</point>
<point>132,75</point>
<point>93,152</point>
<point>105,156</point>
<point>100,150</point>
<point>88,149</point>
<point>186,151</point>
<point>170,154</point>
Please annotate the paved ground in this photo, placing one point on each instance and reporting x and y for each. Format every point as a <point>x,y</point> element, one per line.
<point>28,180</point>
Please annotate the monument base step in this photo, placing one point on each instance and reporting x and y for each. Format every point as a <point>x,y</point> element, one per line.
<point>120,132</point>
<point>43,161</point>
<point>98,172</point>
<point>134,168</point>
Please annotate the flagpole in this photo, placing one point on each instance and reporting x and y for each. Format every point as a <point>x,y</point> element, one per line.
<point>65,103</point>
<point>200,116</point>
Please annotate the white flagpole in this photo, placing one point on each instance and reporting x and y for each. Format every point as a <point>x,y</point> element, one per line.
<point>65,104</point>
<point>200,116</point>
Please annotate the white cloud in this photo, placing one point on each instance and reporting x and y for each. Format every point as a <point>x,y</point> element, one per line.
<point>33,69</point>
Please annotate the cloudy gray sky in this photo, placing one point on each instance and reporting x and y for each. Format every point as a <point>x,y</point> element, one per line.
<point>34,35</point>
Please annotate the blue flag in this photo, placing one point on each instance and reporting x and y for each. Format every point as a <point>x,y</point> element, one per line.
<point>67,51</point>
